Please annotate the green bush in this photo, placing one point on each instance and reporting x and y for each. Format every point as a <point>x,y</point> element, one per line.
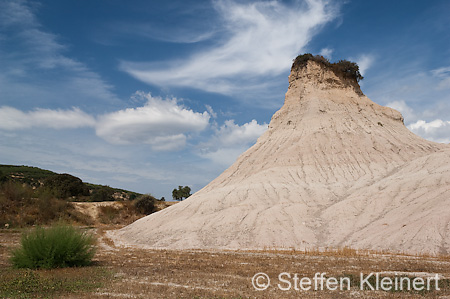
<point>302,60</point>
<point>55,247</point>
<point>145,204</point>
<point>348,69</point>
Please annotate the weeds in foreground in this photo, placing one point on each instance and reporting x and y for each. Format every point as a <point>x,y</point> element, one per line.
<point>55,247</point>
<point>27,283</point>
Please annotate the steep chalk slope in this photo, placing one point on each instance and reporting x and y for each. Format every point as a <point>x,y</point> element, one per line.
<point>333,169</point>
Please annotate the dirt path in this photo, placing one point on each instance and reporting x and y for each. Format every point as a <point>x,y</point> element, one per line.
<point>91,208</point>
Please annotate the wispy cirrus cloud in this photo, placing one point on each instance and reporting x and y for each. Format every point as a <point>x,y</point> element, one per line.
<point>35,68</point>
<point>257,39</point>
<point>443,76</point>
<point>14,119</point>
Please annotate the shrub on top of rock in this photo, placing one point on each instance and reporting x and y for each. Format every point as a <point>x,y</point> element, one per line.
<point>344,68</point>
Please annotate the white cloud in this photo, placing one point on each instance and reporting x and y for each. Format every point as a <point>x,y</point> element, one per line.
<point>163,124</point>
<point>364,62</point>
<point>211,111</point>
<point>327,53</point>
<point>420,89</point>
<point>436,130</point>
<point>193,31</point>
<point>14,119</point>
<point>259,39</point>
<point>231,134</point>
<point>408,113</point>
<point>231,140</point>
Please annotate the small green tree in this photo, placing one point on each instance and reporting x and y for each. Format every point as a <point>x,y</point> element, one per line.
<point>181,192</point>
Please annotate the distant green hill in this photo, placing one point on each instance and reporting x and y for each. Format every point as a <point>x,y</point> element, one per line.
<point>63,185</point>
<point>24,174</point>
<point>34,196</point>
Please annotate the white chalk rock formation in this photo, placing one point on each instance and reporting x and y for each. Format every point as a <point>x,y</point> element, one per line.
<point>334,169</point>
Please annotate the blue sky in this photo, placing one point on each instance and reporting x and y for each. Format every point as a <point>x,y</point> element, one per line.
<point>149,95</point>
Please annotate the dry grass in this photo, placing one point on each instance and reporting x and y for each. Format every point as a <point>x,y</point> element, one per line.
<point>136,273</point>
<point>123,212</point>
<point>22,206</point>
<point>114,212</point>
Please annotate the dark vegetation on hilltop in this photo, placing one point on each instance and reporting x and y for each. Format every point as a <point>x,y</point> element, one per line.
<point>342,68</point>
<point>34,196</point>
<point>62,185</point>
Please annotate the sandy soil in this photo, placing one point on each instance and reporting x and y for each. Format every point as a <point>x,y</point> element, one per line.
<point>138,273</point>
<point>91,208</point>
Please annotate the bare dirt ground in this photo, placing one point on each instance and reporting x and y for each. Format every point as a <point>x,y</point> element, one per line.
<point>92,208</point>
<point>138,273</point>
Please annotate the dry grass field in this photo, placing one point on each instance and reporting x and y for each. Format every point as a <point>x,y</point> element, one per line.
<point>136,273</point>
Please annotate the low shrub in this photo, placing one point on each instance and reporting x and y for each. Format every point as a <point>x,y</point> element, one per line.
<point>344,68</point>
<point>145,204</point>
<point>55,247</point>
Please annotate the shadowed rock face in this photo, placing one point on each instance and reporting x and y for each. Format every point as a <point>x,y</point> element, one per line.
<point>333,169</point>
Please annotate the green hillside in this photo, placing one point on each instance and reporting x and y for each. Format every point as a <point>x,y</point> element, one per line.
<point>34,196</point>
<point>24,174</point>
<point>62,185</point>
